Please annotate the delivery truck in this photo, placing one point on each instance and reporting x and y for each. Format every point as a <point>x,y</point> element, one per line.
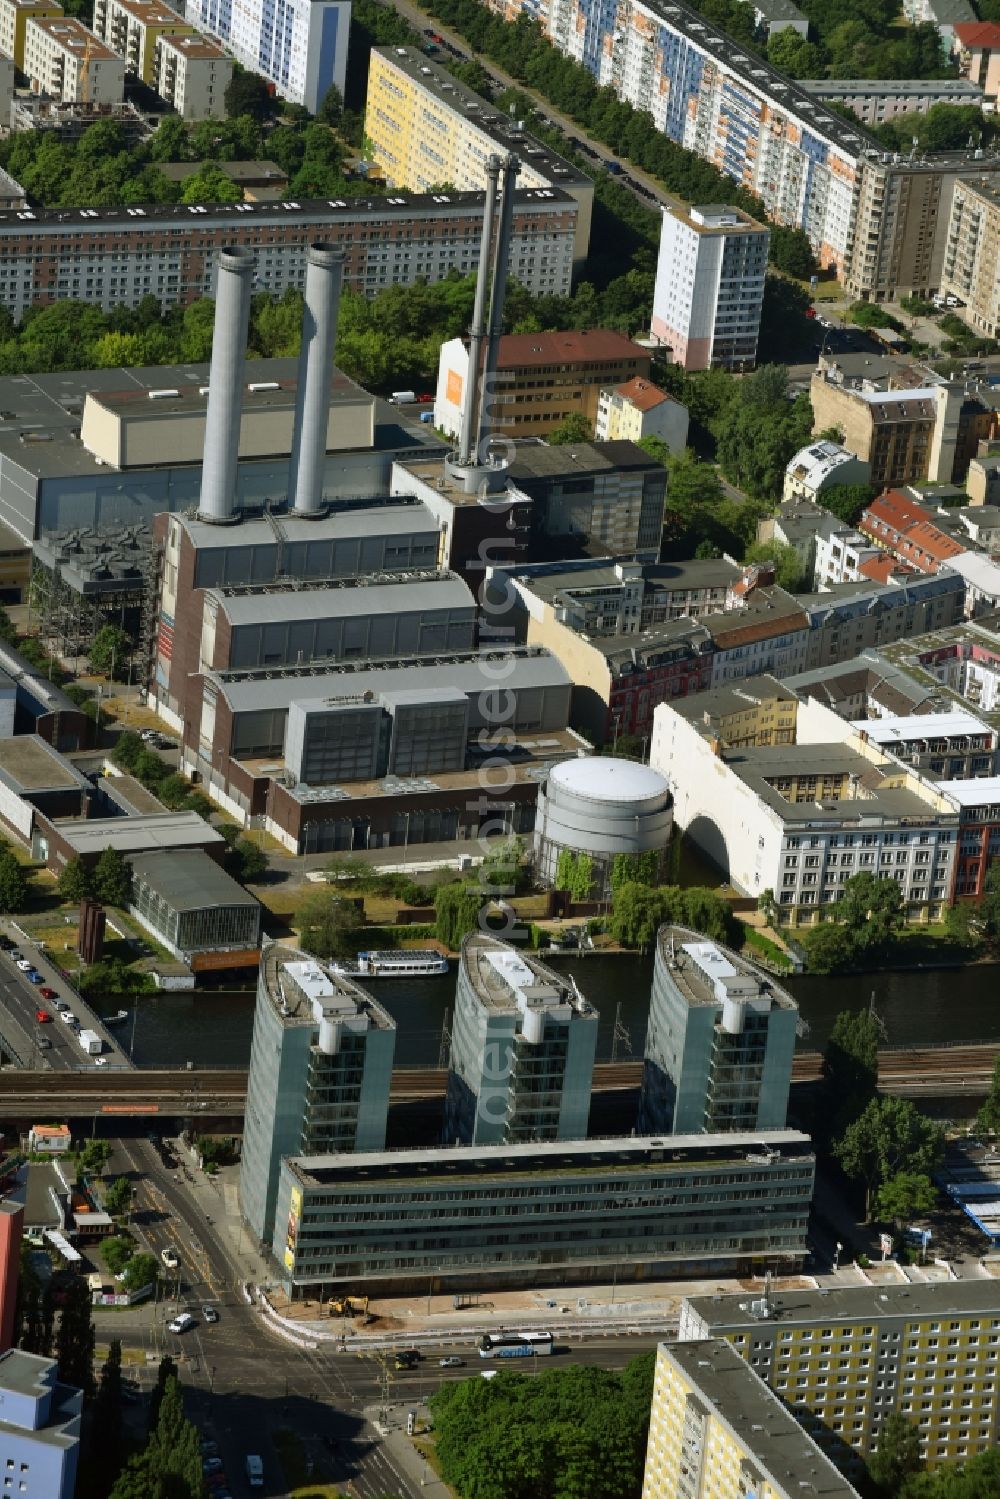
<point>91,1043</point>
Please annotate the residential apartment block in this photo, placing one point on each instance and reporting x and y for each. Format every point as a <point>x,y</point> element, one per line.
<point>709,290</point>
<point>428,129</point>
<point>39,1427</point>
<point>844,555</point>
<point>301,48</point>
<point>901,527</point>
<point>638,409</point>
<point>187,70</point>
<point>65,60</point>
<point>14,18</point>
<point>116,256</point>
<point>875,100</point>
<point>758,711</point>
<point>466,1217</point>
<point>953,746</point>
<point>800,820</point>
<point>716,1429</point>
<point>720,1041</point>
<point>852,617</point>
<point>320,1066</point>
<point>522,1051</point>
<point>969,270</point>
<point>844,1358</point>
<point>820,466</point>
<point>902,431</point>
<point>542,378</point>
<point>977,45</point>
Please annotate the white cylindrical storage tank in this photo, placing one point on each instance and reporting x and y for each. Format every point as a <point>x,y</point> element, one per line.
<point>601,807</point>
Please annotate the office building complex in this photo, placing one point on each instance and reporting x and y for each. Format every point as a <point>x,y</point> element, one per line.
<point>465,1217</point>
<point>320,1066</point>
<point>715,1428</point>
<point>608,816</point>
<point>114,257</point>
<point>541,379</point>
<point>801,819</point>
<point>39,1427</point>
<point>720,1042</point>
<point>876,100</point>
<point>709,289</point>
<point>522,1051</point>
<point>166,52</point>
<point>426,128</point>
<point>65,60</point>
<point>844,1358</point>
<point>301,48</point>
<point>638,409</point>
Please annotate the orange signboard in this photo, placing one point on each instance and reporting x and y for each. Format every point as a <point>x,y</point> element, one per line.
<point>453,389</point>
<point>130,1108</point>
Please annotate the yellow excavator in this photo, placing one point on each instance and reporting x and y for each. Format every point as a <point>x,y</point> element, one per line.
<point>349,1306</point>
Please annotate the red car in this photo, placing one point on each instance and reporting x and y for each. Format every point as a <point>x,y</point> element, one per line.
<point>47,993</point>
<point>43,1017</point>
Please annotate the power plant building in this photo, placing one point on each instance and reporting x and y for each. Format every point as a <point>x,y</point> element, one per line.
<point>523,1046</point>
<point>720,1042</point>
<point>320,1069</point>
<point>609,812</point>
<point>468,1217</point>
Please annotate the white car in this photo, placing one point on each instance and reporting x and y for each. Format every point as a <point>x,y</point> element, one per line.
<point>181,1323</point>
<point>67,1016</point>
<point>100,1061</point>
<point>170,1258</point>
<point>24,965</point>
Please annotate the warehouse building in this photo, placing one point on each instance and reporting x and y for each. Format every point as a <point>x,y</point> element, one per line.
<point>195,909</point>
<point>469,1217</point>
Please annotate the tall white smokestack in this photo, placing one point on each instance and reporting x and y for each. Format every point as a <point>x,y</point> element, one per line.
<point>324,277</point>
<point>234,289</point>
<point>501,262</point>
<point>477,331</point>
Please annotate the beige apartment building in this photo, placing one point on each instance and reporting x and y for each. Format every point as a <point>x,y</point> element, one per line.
<point>192,73</point>
<point>14,18</point>
<point>66,61</point>
<point>428,130</point>
<point>640,409</point>
<point>902,433</point>
<point>971,257</point>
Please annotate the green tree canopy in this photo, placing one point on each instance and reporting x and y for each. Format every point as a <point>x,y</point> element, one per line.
<point>118,1250</point>
<point>905,1196</point>
<point>330,927</point>
<point>850,1061</point>
<point>211,184</point>
<point>141,1270</point>
<point>572,428</point>
<point>890,1137</point>
<point>248,94</point>
<point>13,882</point>
<point>872,909</point>
<point>110,651</point>
<point>111,879</point>
<point>458,909</point>
<point>75,880</point>
<point>789,571</point>
<point>988,1118</point>
<point>897,1456</point>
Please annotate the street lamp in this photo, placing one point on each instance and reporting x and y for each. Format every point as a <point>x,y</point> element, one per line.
<point>836,1255</point>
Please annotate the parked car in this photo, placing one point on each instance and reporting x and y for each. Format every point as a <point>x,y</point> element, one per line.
<point>43,1043</point>
<point>211,1465</point>
<point>100,1061</point>
<point>6,945</point>
<point>209,1448</point>
<point>43,1017</point>
<point>60,1004</point>
<point>452,1362</point>
<point>68,1017</point>
<point>23,964</point>
<point>184,1323</point>
<point>35,977</point>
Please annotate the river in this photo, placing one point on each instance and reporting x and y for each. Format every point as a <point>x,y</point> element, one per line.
<point>213,1028</point>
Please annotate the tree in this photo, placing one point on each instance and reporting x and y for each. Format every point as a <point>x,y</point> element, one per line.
<point>890,1137</point>
<point>637,913</point>
<point>850,1061</point>
<point>331,107</point>
<point>790,249</point>
<point>13,882</point>
<point>128,748</point>
<point>75,1339</point>
<point>872,909</point>
<point>503,869</point>
<point>118,1196</point>
<point>988,1118</point>
<point>762,432</point>
<point>788,569</point>
<point>328,926</point>
<point>117,1251</point>
<point>106,1430</point>
<point>251,861</point>
<point>140,1271</point>
<point>211,184</point>
<point>111,878</point>
<point>572,428</point>
<point>248,94</point>
<point>904,1196</point>
<point>989,905</point>
<point>74,881</point>
<point>458,909</point>
<point>897,1456</point>
<point>829,948</point>
<point>847,501</point>
<point>95,1156</point>
<point>110,652</point>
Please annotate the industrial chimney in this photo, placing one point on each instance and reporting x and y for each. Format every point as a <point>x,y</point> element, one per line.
<point>470,405</point>
<point>324,276</point>
<point>498,292</point>
<point>225,386</point>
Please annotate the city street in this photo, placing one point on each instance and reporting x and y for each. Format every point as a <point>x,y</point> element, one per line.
<point>19,1002</point>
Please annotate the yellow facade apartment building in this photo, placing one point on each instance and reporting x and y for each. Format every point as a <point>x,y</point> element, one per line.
<point>842,1359</point>
<point>427,131</point>
<point>717,1432</point>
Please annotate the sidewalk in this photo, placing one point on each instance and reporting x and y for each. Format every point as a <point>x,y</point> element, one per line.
<point>401,1453</point>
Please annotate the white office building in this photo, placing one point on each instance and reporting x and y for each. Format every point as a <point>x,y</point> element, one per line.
<point>710,286</point>
<point>299,45</point>
<point>39,1428</point>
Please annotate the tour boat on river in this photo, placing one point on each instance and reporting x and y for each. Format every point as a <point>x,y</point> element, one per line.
<point>401,963</point>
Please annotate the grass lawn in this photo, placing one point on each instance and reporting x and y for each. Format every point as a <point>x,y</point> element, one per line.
<point>294,1465</point>
<point>758,943</point>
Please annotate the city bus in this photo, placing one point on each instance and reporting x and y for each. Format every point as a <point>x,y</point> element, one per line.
<point>514,1344</point>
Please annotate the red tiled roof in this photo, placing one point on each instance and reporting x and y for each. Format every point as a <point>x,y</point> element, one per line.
<point>594,344</point>
<point>975,34</point>
<point>643,394</point>
<point>902,527</point>
<point>884,569</point>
